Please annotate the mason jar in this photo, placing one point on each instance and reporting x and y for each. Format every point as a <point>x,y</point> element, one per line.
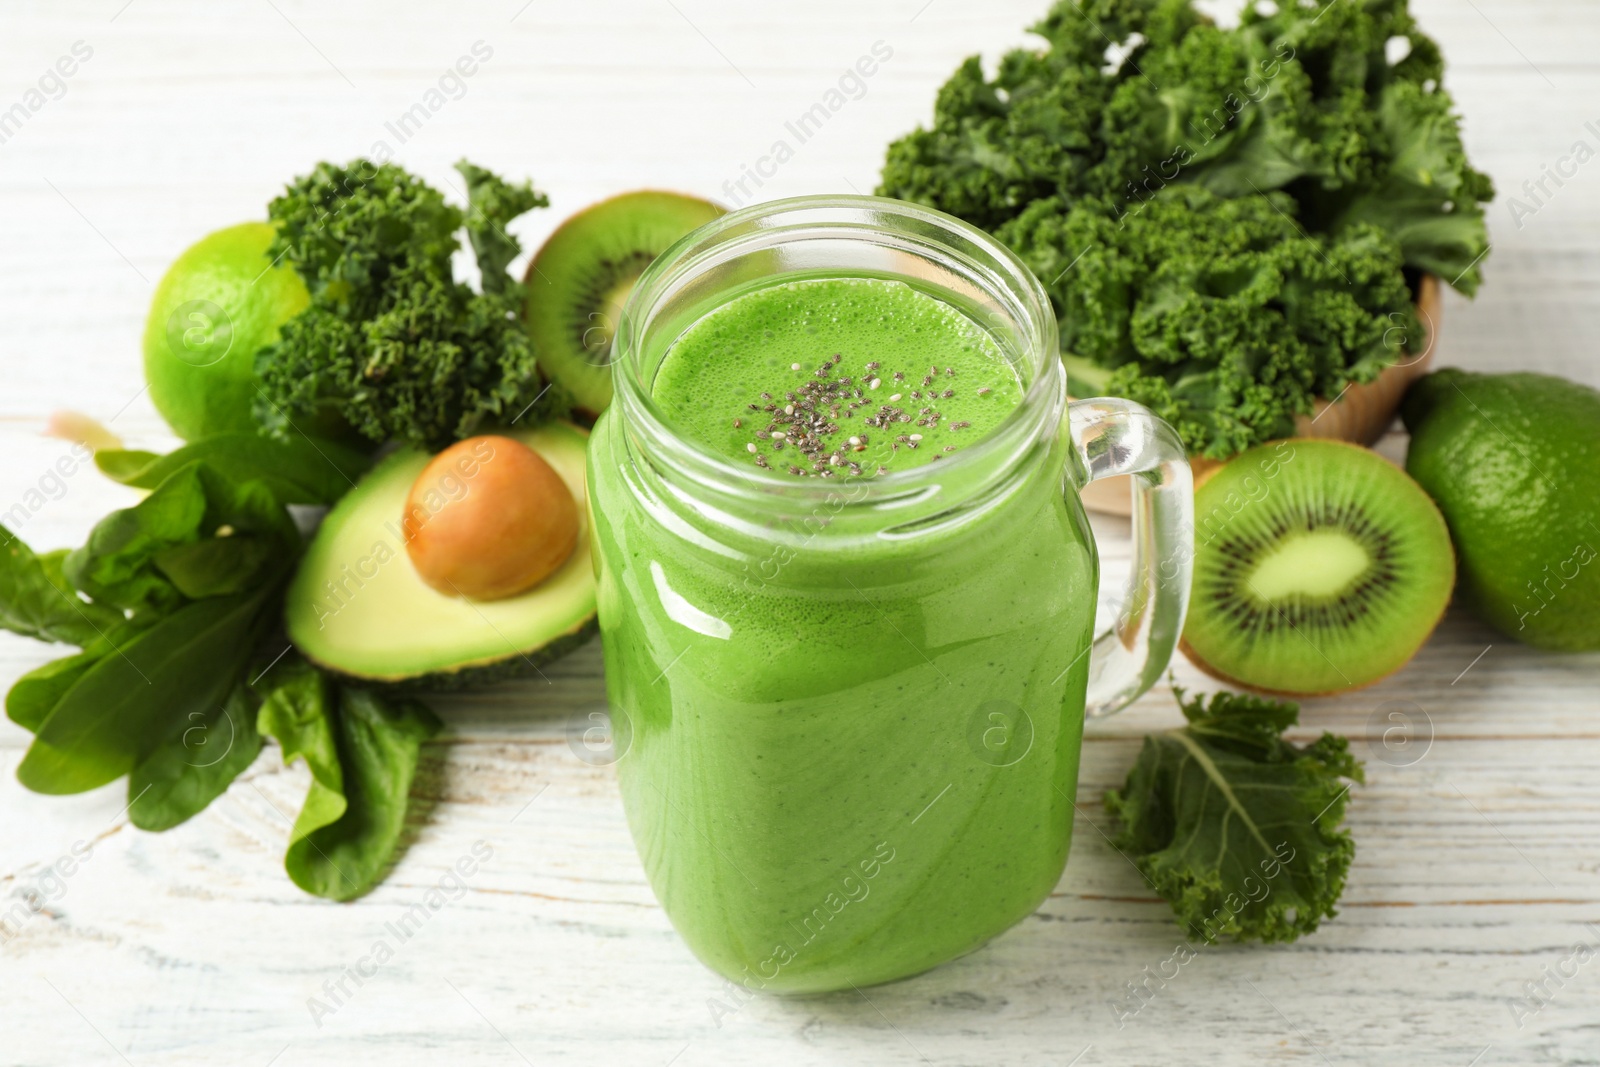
<point>850,709</point>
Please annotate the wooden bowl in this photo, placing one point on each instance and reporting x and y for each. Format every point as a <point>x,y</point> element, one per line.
<point>1360,415</point>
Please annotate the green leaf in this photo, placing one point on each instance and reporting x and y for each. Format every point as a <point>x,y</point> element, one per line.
<point>298,714</point>
<point>115,565</point>
<point>1082,168</point>
<point>121,564</point>
<point>130,466</point>
<point>33,696</point>
<point>36,600</point>
<point>125,704</point>
<point>491,205</point>
<point>392,343</point>
<point>195,765</point>
<point>1427,195</point>
<point>298,469</point>
<point>1235,827</point>
<point>362,753</point>
<point>217,567</point>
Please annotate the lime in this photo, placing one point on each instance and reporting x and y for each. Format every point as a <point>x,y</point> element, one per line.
<point>1513,461</point>
<point>219,303</point>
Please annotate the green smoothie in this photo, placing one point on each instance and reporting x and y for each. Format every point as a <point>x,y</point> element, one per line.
<point>845,762</point>
<point>874,374</point>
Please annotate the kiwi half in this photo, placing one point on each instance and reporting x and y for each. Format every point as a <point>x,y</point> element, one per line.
<point>582,276</point>
<point>1319,567</point>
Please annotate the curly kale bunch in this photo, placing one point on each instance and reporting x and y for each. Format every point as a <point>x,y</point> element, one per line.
<point>1219,315</point>
<point>392,342</point>
<point>1253,207</point>
<point>1132,95</point>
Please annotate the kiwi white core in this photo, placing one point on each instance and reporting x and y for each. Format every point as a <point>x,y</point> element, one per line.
<point>1317,563</point>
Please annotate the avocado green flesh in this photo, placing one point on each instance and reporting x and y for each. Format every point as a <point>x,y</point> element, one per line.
<point>358,607</point>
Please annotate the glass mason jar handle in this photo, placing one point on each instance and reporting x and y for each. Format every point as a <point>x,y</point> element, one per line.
<point>1116,437</point>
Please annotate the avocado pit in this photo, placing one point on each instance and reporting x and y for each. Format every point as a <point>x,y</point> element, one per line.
<point>488,518</point>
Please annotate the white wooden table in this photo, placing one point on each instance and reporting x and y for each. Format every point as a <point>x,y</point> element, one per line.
<point>1479,843</point>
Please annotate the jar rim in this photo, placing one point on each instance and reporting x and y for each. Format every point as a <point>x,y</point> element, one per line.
<point>1004,278</point>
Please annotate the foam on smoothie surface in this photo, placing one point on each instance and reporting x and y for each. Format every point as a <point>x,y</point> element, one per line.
<point>836,377</point>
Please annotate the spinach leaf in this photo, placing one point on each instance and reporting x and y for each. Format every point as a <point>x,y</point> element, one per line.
<point>362,751</point>
<point>36,600</point>
<point>35,694</point>
<point>298,712</point>
<point>297,469</point>
<point>115,565</point>
<point>115,714</point>
<point>217,567</point>
<point>194,766</point>
<point>121,564</point>
<point>1235,827</point>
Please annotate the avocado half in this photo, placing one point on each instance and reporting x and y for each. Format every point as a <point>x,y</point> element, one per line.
<point>358,608</point>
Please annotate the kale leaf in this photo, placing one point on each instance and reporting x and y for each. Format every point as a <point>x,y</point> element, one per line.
<point>491,204</point>
<point>1220,315</point>
<point>1236,828</point>
<point>1130,96</point>
<point>1252,206</point>
<point>391,340</point>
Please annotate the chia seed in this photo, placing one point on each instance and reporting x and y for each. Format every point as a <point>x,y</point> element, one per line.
<point>809,419</point>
